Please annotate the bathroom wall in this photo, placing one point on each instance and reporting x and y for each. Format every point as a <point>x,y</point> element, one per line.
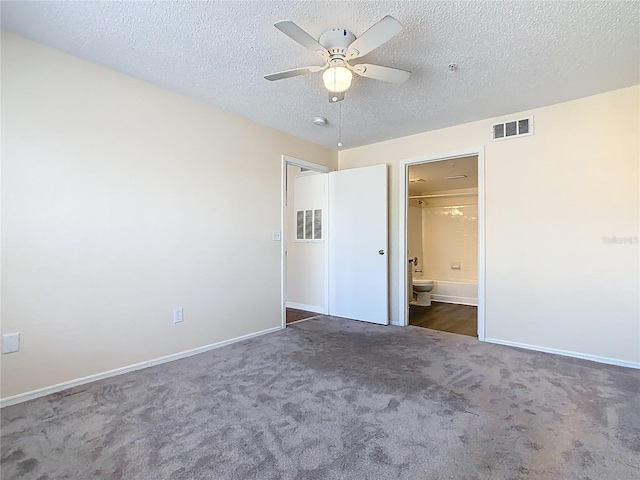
<point>450,236</point>
<point>414,232</point>
<point>306,261</point>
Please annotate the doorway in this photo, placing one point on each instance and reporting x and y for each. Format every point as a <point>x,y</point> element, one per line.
<point>304,247</point>
<point>352,222</point>
<point>442,233</point>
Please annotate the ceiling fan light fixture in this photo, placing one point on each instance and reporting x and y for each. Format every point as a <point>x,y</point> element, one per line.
<point>337,79</point>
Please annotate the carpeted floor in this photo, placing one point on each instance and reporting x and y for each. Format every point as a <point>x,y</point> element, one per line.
<point>337,399</point>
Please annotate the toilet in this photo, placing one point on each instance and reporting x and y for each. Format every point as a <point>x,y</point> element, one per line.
<point>422,288</point>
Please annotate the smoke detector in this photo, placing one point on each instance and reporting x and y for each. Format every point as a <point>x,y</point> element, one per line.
<point>320,121</point>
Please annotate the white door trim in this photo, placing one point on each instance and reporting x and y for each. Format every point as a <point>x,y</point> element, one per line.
<point>287,160</point>
<point>403,316</point>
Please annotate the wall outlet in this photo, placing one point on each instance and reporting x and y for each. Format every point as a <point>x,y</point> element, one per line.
<point>177,315</point>
<point>10,343</point>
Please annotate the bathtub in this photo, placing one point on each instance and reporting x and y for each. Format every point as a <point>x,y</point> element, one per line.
<point>465,293</point>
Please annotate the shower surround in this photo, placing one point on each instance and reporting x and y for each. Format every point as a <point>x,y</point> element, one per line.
<point>449,256</point>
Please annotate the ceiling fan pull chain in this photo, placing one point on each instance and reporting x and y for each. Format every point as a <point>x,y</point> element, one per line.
<point>340,126</point>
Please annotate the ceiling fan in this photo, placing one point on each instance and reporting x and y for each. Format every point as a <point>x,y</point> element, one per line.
<point>338,47</point>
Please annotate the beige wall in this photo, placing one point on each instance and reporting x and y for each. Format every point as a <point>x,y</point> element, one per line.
<point>551,281</point>
<point>121,201</point>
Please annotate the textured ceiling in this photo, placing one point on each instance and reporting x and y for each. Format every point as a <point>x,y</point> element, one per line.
<point>511,56</point>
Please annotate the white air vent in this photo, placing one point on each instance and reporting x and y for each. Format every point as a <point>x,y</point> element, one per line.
<point>514,128</point>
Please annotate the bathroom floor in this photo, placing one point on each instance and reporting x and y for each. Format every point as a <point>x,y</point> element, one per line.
<point>446,317</point>
<point>295,315</point>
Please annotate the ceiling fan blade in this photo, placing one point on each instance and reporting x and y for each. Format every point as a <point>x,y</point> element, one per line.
<point>378,72</point>
<point>294,72</point>
<point>377,34</point>
<point>297,34</point>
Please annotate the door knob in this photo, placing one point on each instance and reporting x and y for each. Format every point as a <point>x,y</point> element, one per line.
<point>381,252</point>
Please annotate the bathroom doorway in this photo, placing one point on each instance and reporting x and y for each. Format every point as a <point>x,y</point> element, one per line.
<point>443,235</point>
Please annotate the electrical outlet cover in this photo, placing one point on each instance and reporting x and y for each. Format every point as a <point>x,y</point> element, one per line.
<point>10,342</point>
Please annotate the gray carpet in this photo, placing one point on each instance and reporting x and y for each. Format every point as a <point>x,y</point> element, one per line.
<point>336,399</point>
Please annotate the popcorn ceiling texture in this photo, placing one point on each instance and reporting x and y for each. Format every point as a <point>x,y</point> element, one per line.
<point>511,56</point>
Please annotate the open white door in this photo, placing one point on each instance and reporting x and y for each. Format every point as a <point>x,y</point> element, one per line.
<point>358,257</point>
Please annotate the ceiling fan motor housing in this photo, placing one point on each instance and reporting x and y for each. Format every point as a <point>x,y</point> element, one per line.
<point>337,41</point>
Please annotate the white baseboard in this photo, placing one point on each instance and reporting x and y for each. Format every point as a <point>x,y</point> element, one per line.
<point>308,308</point>
<point>566,353</point>
<point>41,392</point>
<point>450,299</point>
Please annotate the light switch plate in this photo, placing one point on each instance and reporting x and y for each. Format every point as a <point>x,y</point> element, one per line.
<point>10,343</point>
<point>276,236</point>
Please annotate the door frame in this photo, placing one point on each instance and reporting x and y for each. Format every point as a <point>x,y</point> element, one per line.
<point>288,160</point>
<point>403,316</point>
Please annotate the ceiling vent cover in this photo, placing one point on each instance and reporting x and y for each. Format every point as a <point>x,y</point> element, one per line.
<point>514,128</point>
